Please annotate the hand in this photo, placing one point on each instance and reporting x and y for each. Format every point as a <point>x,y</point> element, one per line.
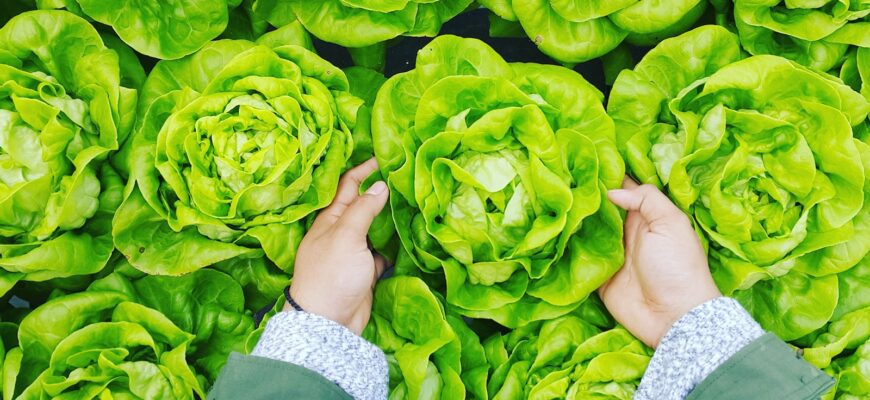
<point>665,273</point>
<point>335,271</point>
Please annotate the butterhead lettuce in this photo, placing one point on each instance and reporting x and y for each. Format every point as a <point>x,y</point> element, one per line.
<point>361,23</point>
<point>67,104</point>
<point>565,358</point>
<point>168,29</point>
<point>498,175</point>
<point>431,352</point>
<point>573,31</point>
<point>237,146</point>
<point>148,337</point>
<point>760,152</point>
<point>814,33</point>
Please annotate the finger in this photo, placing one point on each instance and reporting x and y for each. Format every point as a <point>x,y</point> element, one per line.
<point>358,216</point>
<point>348,191</point>
<point>633,222</point>
<point>380,265</point>
<point>652,204</point>
<point>629,183</point>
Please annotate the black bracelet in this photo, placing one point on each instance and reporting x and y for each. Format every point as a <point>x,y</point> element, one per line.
<point>290,300</point>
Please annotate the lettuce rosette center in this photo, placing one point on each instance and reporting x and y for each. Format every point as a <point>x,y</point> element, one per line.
<point>244,158</point>
<point>497,184</point>
<point>487,207</point>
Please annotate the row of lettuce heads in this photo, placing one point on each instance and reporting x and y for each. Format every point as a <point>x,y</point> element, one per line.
<point>144,218</point>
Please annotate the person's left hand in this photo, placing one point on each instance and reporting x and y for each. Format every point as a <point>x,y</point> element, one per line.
<point>335,270</point>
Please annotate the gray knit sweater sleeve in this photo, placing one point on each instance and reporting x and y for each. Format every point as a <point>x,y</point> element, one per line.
<point>331,350</point>
<point>695,346</point>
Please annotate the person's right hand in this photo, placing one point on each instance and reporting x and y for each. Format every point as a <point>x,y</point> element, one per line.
<point>665,273</point>
<point>335,269</point>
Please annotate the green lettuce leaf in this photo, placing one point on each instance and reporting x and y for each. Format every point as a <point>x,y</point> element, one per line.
<point>10,359</point>
<point>133,335</point>
<point>856,71</point>
<point>565,357</point>
<point>572,31</point>
<point>361,23</point>
<point>431,354</point>
<point>852,374</point>
<point>813,33</point>
<point>170,30</point>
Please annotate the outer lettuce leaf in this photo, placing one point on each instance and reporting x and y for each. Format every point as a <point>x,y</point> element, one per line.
<point>236,147</point>
<point>497,174</point>
<point>815,34</point>
<point>856,71</point>
<point>840,347</point>
<point>66,109</point>
<point>208,304</point>
<point>129,335</point>
<point>364,83</point>
<point>432,355</point>
<point>574,31</point>
<point>169,30</point>
<point>566,357</point>
<point>244,23</point>
<point>852,374</point>
<point>362,23</point>
<point>115,338</point>
<point>10,359</point>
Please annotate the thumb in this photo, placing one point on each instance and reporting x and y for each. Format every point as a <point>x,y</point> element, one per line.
<point>359,215</point>
<point>652,204</point>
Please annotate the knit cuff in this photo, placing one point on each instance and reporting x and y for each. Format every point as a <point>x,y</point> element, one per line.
<point>323,346</point>
<point>697,344</point>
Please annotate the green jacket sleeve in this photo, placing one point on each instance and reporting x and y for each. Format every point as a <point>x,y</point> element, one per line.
<point>767,368</point>
<point>256,378</point>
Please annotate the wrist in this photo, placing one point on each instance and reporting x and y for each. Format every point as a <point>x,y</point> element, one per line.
<point>681,310</point>
<point>290,303</point>
<point>698,343</point>
<point>313,305</point>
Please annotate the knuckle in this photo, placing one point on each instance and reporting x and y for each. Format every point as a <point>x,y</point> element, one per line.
<point>346,180</point>
<point>343,229</point>
<point>647,188</point>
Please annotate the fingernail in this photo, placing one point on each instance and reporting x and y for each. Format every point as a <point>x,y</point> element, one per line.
<point>377,188</point>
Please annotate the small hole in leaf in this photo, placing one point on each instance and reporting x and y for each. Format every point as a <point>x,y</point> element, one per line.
<point>439,219</point>
<point>141,250</point>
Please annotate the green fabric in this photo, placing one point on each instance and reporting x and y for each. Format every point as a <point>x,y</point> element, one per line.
<point>765,369</point>
<point>254,378</point>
